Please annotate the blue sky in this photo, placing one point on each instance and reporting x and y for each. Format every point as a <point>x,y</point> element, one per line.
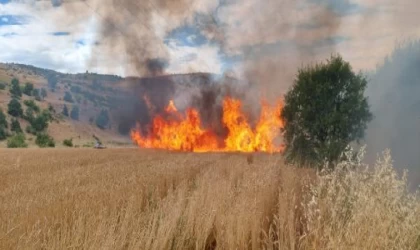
<point>42,33</point>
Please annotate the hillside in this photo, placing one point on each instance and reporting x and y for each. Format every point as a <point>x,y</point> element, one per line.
<point>122,99</point>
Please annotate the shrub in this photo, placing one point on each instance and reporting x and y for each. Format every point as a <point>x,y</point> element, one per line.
<point>68,97</point>
<point>68,142</point>
<point>28,88</point>
<point>102,120</point>
<point>74,114</point>
<point>3,133</point>
<point>65,111</point>
<point>3,121</point>
<point>15,126</point>
<point>15,90</point>
<point>30,130</point>
<point>43,140</point>
<point>14,108</point>
<point>32,104</point>
<point>43,93</point>
<point>2,86</point>
<point>17,141</point>
<point>40,123</point>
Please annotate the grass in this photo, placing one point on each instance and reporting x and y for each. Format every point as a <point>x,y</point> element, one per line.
<point>133,199</point>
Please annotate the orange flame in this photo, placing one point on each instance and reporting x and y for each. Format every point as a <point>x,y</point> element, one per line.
<point>184,132</point>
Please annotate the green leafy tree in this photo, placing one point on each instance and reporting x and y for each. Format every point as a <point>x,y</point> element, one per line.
<point>37,95</point>
<point>15,126</point>
<point>15,90</point>
<point>2,86</point>
<point>29,115</point>
<point>14,108</point>
<point>68,97</point>
<point>31,104</point>
<point>74,114</point>
<point>68,142</point>
<point>3,133</point>
<point>44,140</point>
<point>40,123</point>
<point>28,88</point>
<point>324,111</point>
<point>3,121</point>
<point>65,111</point>
<point>102,120</point>
<point>17,141</point>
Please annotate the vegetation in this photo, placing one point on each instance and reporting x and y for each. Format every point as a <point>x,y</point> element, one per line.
<point>2,86</point>
<point>65,111</point>
<point>3,121</point>
<point>17,141</point>
<point>37,95</point>
<point>31,104</point>
<point>74,114</point>
<point>68,97</point>
<point>14,108</point>
<point>43,140</point>
<point>128,199</point>
<point>102,121</point>
<point>3,133</point>
<point>68,142</point>
<point>15,126</point>
<point>15,90</point>
<point>28,89</point>
<point>43,93</point>
<point>52,82</point>
<point>324,111</point>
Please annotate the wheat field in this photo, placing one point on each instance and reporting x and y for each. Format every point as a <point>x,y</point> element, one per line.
<point>137,199</point>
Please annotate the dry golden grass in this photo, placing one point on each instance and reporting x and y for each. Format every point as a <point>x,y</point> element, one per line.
<point>133,199</point>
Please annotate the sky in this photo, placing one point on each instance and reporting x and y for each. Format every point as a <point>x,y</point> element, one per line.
<point>65,35</point>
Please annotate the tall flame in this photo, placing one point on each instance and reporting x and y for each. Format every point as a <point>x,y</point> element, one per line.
<point>184,132</point>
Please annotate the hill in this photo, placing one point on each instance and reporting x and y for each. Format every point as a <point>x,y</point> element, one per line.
<point>120,99</point>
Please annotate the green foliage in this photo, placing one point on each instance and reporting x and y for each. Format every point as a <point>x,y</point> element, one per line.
<point>28,88</point>
<point>37,95</point>
<point>65,111</point>
<point>3,121</point>
<point>3,133</point>
<point>43,140</point>
<point>68,97</point>
<point>2,86</point>
<point>29,115</point>
<point>102,120</point>
<point>17,141</point>
<point>43,93</point>
<point>68,142</point>
<point>52,82</point>
<point>31,104</point>
<point>74,114</point>
<point>51,109</point>
<point>30,130</point>
<point>14,108</point>
<point>15,126</point>
<point>15,90</point>
<point>324,111</point>
<point>40,123</point>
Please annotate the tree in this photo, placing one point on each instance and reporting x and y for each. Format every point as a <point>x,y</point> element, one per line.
<point>28,88</point>
<point>68,97</point>
<point>3,121</point>
<point>15,88</point>
<point>31,104</point>
<point>44,140</point>
<point>3,133</point>
<point>37,94</point>
<point>43,93</point>
<point>324,111</point>
<point>15,126</point>
<point>65,111</point>
<point>14,108</point>
<point>74,114</point>
<point>68,142</point>
<point>40,123</point>
<point>52,82</point>
<point>103,119</point>
<point>17,141</point>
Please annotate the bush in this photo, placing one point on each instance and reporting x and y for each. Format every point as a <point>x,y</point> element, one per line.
<point>40,123</point>
<point>65,111</point>
<point>3,133</point>
<point>15,90</point>
<point>17,141</point>
<point>30,130</point>
<point>15,126</point>
<point>44,141</point>
<point>3,121</point>
<point>324,111</point>
<point>74,114</point>
<point>102,120</point>
<point>2,86</point>
<point>68,97</point>
<point>68,142</point>
<point>29,115</point>
<point>32,104</point>
<point>43,93</point>
<point>28,88</point>
<point>14,108</point>
<point>37,95</point>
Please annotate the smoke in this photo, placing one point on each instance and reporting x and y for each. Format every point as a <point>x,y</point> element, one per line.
<point>393,95</point>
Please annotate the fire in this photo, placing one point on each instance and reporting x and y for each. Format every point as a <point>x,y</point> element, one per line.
<point>175,130</point>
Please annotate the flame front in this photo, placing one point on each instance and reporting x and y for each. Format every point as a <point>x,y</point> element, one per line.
<point>184,132</point>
